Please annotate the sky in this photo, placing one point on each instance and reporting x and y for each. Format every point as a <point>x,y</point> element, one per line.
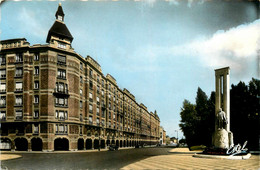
<point>160,50</point>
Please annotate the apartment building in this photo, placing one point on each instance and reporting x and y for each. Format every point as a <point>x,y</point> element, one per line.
<point>52,98</point>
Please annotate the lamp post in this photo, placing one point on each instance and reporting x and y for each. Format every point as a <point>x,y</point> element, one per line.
<point>177,136</point>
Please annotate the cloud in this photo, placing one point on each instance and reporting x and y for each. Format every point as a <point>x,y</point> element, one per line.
<point>236,48</point>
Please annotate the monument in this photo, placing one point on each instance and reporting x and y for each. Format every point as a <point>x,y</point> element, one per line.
<point>222,139</point>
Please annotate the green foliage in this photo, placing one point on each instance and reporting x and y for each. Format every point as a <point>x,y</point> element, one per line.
<point>197,120</point>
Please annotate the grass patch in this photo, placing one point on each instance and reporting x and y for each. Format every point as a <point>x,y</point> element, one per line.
<point>197,148</point>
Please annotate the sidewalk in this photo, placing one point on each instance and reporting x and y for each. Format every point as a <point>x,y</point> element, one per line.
<point>9,156</point>
<point>181,158</point>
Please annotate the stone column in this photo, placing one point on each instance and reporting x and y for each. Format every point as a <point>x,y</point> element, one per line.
<point>222,138</point>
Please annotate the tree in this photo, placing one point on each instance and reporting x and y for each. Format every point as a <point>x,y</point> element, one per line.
<point>189,121</point>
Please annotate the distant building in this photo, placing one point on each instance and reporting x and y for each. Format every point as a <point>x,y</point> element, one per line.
<point>162,136</point>
<point>51,98</point>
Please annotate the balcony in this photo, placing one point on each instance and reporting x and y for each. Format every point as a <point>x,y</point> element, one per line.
<point>2,90</point>
<point>3,118</point>
<point>61,93</point>
<point>2,105</point>
<point>18,104</point>
<point>18,75</point>
<point>61,63</point>
<point>19,118</point>
<point>2,76</point>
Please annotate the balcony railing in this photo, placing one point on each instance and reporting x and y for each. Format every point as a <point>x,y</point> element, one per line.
<point>19,117</point>
<point>3,105</point>
<point>18,104</point>
<point>3,76</point>
<point>18,75</point>
<point>59,92</point>
<point>2,90</point>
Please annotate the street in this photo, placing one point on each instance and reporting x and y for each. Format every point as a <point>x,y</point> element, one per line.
<point>142,158</point>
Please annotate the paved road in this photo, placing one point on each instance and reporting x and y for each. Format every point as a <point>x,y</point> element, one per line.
<point>83,160</point>
<point>143,158</point>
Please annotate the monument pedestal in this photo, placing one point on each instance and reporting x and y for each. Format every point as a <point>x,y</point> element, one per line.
<point>222,139</point>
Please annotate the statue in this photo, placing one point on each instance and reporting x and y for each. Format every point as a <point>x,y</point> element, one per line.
<point>221,119</point>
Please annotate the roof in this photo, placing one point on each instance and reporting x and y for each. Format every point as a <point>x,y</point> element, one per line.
<point>59,11</point>
<point>59,29</point>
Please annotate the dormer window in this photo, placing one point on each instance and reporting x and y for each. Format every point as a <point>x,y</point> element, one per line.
<point>60,18</point>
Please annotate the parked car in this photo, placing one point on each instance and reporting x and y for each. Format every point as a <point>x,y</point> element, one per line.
<point>113,147</point>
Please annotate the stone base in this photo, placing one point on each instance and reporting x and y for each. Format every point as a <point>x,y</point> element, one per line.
<point>222,139</point>
<point>236,157</point>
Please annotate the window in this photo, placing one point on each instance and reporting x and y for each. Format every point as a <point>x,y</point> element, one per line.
<point>81,66</point>
<point>2,101</point>
<point>18,114</point>
<point>90,96</point>
<point>36,99</point>
<point>19,57</point>
<point>109,86</point>
<point>61,74</point>
<point>98,89</point>
<point>81,92</point>
<point>90,85</point>
<point>98,100</point>
<point>80,130</point>
<point>36,128</point>
<point>90,108</point>
<point>36,56</point>
<point>97,111</point>
<point>61,45</point>
<point>18,86</point>
<point>103,113</point>
<point>61,129</point>
<point>98,79</point>
<point>81,79</point>
<point>109,106</point>
<point>19,72</point>
<point>36,85</point>
<point>60,18</point>
<point>109,124</point>
<point>114,108</point>
<point>61,102</point>
<point>61,59</point>
<point>61,115</point>
<point>81,118</point>
<point>61,87</point>
<point>114,116</point>
<point>80,104</point>
<point>102,92</point>
<point>98,121</point>
<point>2,87</point>
<point>36,114</point>
<point>109,115</point>
<point>2,73</point>
<point>2,115</point>
<point>103,84</point>
<point>2,60</point>
<point>90,120</point>
<point>114,99</point>
<point>103,122</point>
<point>90,73</point>
<point>109,95</point>
<point>36,70</point>
<point>18,100</point>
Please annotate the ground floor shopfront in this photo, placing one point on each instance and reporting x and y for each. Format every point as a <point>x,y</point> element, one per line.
<point>69,138</point>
